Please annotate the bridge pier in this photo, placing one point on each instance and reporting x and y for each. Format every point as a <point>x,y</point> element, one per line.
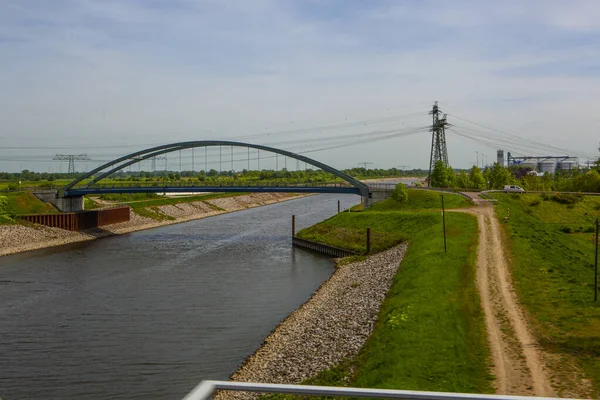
<point>366,202</point>
<point>378,195</point>
<point>70,204</point>
<point>64,204</point>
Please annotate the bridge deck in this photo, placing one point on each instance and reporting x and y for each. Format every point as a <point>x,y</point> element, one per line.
<point>108,189</point>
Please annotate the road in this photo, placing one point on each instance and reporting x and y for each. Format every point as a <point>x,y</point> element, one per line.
<point>518,360</point>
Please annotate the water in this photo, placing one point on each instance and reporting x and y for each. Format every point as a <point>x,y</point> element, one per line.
<point>150,314</point>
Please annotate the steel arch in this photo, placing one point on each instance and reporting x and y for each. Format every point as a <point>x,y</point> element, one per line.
<point>168,148</point>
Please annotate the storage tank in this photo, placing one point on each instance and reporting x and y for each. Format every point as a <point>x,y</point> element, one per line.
<point>568,164</point>
<point>532,164</point>
<point>547,165</point>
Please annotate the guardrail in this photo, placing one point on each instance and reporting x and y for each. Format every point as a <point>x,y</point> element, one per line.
<point>206,388</point>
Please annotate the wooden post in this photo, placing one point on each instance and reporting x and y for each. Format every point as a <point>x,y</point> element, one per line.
<point>596,267</point>
<point>368,240</point>
<point>293,225</point>
<point>444,222</point>
<point>338,206</point>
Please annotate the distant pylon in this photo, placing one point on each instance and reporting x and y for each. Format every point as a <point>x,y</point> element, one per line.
<point>439,152</point>
<point>71,158</point>
<point>155,159</point>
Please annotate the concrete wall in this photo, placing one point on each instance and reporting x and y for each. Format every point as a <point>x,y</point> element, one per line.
<point>64,204</point>
<point>380,195</point>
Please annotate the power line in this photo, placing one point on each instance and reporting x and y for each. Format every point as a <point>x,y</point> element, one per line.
<point>537,144</point>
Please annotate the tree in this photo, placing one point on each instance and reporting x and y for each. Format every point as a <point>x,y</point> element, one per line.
<point>463,181</point>
<point>476,178</point>
<point>499,176</point>
<point>442,175</point>
<point>400,194</point>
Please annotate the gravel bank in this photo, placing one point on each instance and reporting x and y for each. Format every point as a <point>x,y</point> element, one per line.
<point>333,325</point>
<point>20,238</point>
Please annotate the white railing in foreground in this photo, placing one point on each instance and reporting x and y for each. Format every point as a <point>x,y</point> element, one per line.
<point>206,388</point>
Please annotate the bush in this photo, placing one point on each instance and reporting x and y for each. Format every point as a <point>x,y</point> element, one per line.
<point>567,198</point>
<point>535,202</point>
<point>400,194</point>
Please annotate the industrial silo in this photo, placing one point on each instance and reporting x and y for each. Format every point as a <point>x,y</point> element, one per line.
<point>547,165</point>
<point>531,164</point>
<point>568,164</point>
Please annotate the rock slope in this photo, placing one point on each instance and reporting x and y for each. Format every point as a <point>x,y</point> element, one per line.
<point>333,325</point>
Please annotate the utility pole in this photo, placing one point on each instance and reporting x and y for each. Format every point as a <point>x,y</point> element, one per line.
<point>439,151</point>
<point>364,164</point>
<point>71,158</point>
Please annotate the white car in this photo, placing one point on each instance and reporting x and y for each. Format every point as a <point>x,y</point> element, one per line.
<point>513,189</point>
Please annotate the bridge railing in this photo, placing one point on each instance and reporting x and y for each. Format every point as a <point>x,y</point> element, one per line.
<point>206,388</point>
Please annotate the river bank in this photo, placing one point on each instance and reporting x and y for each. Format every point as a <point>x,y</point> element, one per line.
<point>20,238</point>
<point>330,327</point>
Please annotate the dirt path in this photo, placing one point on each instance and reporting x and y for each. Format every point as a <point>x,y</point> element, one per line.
<point>517,358</point>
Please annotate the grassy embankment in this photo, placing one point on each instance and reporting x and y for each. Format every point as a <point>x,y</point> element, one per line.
<point>148,205</point>
<point>431,333</point>
<point>552,242</point>
<point>26,203</point>
<point>15,203</point>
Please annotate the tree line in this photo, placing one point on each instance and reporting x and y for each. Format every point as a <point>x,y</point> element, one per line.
<point>497,176</point>
<point>210,176</point>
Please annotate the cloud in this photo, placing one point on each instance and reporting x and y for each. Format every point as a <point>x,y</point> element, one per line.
<point>131,71</point>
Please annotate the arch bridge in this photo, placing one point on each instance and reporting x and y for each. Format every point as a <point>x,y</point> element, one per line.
<point>70,197</point>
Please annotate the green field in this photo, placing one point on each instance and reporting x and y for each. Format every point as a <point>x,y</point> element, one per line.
<point>419,199</point>
<point>552,242</point>
<point>430,334</point>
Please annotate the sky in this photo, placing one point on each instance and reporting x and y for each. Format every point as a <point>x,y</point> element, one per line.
<point>110,77</point>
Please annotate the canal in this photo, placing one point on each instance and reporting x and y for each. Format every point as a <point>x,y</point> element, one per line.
<point>150,314</point>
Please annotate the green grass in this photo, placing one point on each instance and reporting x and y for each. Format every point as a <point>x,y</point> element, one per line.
<point>420,199</point>
<point>129,197</point>
<point>154,213</point>
<point>552,246</point>
<point>149,208</point>
<point>89,204</point>
<point>164,201</point>
<point>26,203</point>
<point>430,334</point>
<point>348,230</point>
